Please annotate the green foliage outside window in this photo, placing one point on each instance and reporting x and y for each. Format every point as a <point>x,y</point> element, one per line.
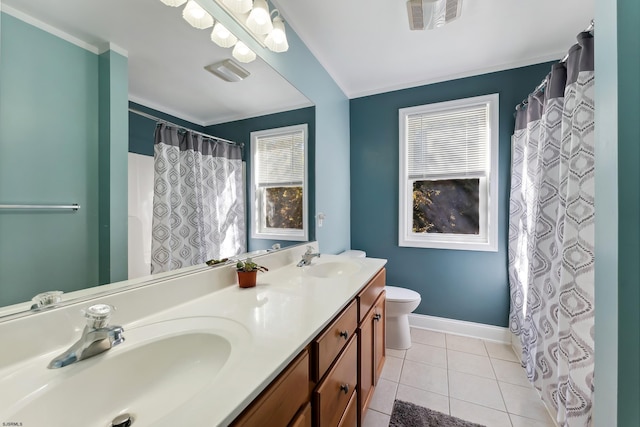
<point>283,206</point>
<point>446,206</point>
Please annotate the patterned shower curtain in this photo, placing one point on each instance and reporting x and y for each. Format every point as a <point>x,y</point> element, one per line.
<point>198,203</point>
<point>551,236</point>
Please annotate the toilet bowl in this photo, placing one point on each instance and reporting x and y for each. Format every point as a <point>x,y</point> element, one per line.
<point>399,303</point>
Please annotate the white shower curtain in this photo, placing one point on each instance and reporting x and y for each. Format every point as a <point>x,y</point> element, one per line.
<point>551,236</point>
<point>198,203</point>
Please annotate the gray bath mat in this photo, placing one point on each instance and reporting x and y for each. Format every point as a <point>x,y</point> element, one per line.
<point>407,414</point>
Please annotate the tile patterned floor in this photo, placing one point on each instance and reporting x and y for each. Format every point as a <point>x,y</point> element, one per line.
<point>472,379</point>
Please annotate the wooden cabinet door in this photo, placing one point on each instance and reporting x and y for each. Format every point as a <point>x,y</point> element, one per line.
<point>365,363</point>
<point>379,341</point>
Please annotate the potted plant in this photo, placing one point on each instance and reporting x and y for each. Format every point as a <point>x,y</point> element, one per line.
<point>248,272</point>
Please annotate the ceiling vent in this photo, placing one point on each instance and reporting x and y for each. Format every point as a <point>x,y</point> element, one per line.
<point>430,14</point>
<point>228,71</point>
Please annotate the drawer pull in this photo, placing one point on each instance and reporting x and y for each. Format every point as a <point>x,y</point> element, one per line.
<point>377,316</point>
<point>344,334</point>
<point>345,388</point>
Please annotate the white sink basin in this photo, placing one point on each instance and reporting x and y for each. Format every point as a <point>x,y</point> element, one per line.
<point>332,269</point>
<point>157,369</point>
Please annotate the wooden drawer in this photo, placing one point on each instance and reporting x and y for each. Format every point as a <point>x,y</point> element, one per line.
<point>329,343</point>
<point>368,296</point>
<point>278,404</point>
<point>333,395</point>
<point>350,416</point>
<point>303,419</point>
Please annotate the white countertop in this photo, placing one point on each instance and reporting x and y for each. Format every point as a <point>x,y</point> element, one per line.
<point>281,315</point>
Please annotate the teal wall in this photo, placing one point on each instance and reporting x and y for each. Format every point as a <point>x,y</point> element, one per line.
<point>48,154</point>
<point>462,285</point>
<point>618,213</point>
<point>302,70</point>
<point>113,90</point>
<point>63,139</point>
<point>240,131</point>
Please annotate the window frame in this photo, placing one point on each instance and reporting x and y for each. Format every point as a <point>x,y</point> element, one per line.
<point>258,221</point>
<point>488,208</point>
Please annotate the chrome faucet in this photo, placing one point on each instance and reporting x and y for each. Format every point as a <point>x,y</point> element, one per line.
<point>308,256</point>
<point>97,337</point>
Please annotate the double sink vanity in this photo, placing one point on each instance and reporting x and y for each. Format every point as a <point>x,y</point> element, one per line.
<point>304,347</point>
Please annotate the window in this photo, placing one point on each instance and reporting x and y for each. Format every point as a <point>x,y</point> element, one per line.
<point>279,183</point>
<point>449,175</point>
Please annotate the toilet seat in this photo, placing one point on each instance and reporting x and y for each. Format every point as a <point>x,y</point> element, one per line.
<point>395,294</point>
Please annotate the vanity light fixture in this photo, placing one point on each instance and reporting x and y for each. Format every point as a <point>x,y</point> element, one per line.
<point>196,16</point>
<point>242,53</point>
<point>259,20</point>
<point>222,37</point>
<point>240,6</point>
<point>174,3</point>
<point>276,40</point>
<point>228,71</point>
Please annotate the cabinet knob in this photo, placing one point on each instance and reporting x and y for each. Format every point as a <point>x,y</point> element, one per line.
<point>344,334</point>
<point>377,316</point>
<point>345,388</point>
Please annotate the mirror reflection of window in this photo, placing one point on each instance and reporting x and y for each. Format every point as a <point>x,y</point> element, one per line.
<point>279,183</point>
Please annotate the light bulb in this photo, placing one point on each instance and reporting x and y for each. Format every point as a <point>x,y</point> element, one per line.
<point>222,37</point>
<point>197,16</point>
<point>259,20</point>
<point>276,41</point>
<point>242,53</point>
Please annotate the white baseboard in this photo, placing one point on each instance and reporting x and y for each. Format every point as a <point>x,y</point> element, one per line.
<point>461,327</point>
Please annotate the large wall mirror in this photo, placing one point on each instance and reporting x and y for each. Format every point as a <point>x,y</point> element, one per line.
<point>60,63</point>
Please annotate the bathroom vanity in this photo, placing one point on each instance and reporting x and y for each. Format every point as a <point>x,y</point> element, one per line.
<point>304,347</point>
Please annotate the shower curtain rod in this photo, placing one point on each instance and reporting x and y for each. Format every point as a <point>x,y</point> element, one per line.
<point>544,82</point>
<point>158,119</point>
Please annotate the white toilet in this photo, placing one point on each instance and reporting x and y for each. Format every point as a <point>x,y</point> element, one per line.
<point>399,303</point>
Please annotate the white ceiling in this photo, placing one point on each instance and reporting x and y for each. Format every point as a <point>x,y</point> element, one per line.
<point>367,47</point>
<point>167,58</point>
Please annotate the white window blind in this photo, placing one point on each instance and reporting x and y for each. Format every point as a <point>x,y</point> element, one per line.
<point>448,143</point>
<point>281,160</point>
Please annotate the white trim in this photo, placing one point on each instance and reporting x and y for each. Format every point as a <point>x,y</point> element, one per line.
<point>461,327</point>
<point>105,47</point>
<point>49,28</point>
<point>242,116</point>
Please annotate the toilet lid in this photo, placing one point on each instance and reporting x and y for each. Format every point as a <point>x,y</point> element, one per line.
<point>401,294</point>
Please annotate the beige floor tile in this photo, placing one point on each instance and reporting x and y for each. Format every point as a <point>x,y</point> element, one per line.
<point>376,419</point>
<point>466,344</point>
<point>474,389</point>
<point>479,414</point>
<point>523,401</point>
<point>395,353</point>
<point>425,377</point>
<point>501,351</point>
<point>435,356</point>
<point>510,372</point>
<point>392,369</point>
<point>519,421</point>
<point>427,399</point>
<point>470,364</point>
<point>383,396</point>
<point>425,336</point>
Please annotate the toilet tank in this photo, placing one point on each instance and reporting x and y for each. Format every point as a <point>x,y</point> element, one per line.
<point>353,254</point>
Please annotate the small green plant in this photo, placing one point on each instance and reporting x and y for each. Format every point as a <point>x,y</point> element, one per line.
<point>249,265</point>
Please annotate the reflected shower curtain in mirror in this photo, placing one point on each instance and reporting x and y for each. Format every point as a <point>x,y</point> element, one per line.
<point>551,236</point>
<point>198,203</point>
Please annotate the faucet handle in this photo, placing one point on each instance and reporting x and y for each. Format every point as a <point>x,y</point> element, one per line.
<point>98,315</point>
<point>309,250</point>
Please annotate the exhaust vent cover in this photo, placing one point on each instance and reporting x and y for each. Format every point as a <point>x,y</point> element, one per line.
<point>430,14</point>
